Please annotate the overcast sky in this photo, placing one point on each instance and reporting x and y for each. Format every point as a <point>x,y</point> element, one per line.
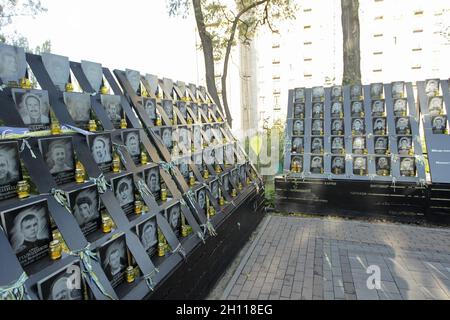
<point>132,34</point>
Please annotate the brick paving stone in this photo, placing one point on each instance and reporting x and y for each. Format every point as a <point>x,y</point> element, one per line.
<point>313,258</point>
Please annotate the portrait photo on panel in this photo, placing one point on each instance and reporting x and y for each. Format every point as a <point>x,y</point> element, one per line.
<point>318,93</point>
<point>226,182</point>
<point>317,111</point>
<point>242,173</point>
<point>183,109</point>
<point>132,142</point>
<point>123,188</point>
<point>358,126</point>
<point>33,107</point>
<point>379,126</point>
<point>408,167</point>
<point>359,145</point>
<point>317,145</point>
<point>432,87</point>
<point>101,148</point>
<point>201,198</point>
<point>338,165</point>
<point>153,180</point>
<point>174,215</point>
<point>381,145</point>
<point>337,127</point>
<point>299,111</point>
<point>10,168</point>
<point>337,144</point>
<point>356,92</point>
<point>63,285</point>
<point>297,145</point>
<point>383,163</point>
<point>400,107</point>
<point>167,137</point>
<point>299,94</point>
<point>58,68</point>
<point>357,108</point>
<point>197,132</point>
<point>85,206</point>
<point>402,125</point>
<point>376,90</point>
<point>28,231</point>
<point>398,89</point>
<point>317,165</point>
<point>404,145</point>
<point>134,78</point>
<point>378,107</point>
<point>439,124</point>
<point>12,63</point>
<point>436,106</point>
<point>59,155</point>
<point>114,260</point>
<point>337,110</point>
<point>299,128</point>
<point>214,186</point>
<point>360,163</point>
<point>168,108</point>
<point>297,161</point>
<point>79,106</point>
<point>194,108</point>
<point>317,127</point>
<point>336,92</point>
<point>150,108</point>
<point>147,232</point>
<point>113,107</point>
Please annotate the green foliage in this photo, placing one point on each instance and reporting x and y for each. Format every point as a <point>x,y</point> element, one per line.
<point>14,8</point>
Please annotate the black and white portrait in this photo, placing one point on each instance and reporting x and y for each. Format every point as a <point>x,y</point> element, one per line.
<point>317,165</point>
<point>150,108</point>
<point>337,110</point>
<point>242,173</point>
<point>376,90</point>
<point>167,137</point>
<point>12,63</point>
<point>183,166</point>
<point>432,87</point>
<point>358,126</point>
<point>408,167</point>
<point>63,285</point>
<point>123,188</point>
<point>183,109</point>
<point>134,78</point>
<point>205,110</point>
<point>194,108</point>
<point>337,145</point>
<point>317,127</point>
<point>299,94</point>
<point>147,232</point>
<point>60,158</point>
<point>215,190</point>
<point>168,108</point>
<point>114,259</point>
<point>402,125</point>
<point>229,153</point>
<point>10,169</point>
<point>33,107</point>
<point>378,108</point>
<point>359,164</point>
<point>318,93</point>
<point>398,90</point>
<point>197,132</point>
<point>381,145</point>
<point>101,149</point>
<point>299,111</point>
<point>383,166</point>
<point>317,111</point>
<point>201,198</point>
<point>297,145</point>
<point>404,145</point>
<point>113,108</point>
<point>336,93</point>
<point>58,69</point>
<point>297,161</point>
<point>400,107</point>
<point>338,165</point>
<point>94,73</point>
<point>174,215</point>
<point>379,126</point>
<point>219,154</point>
<point>359,145</point>
<point>226,182</point>
<point>153,181</point>
<point>299,128</point>
<point>132,142</point>
<point>357,109</point>
<point>317,146</point>
<point>436,106</point>
<point>355,92</point>
<point>28,231</point>
<point>439,124</point>
<point>84,204</point>
<point>79,106</point>
<point>337,127</point>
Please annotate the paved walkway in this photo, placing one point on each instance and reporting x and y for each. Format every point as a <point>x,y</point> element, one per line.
<point>303,258</point>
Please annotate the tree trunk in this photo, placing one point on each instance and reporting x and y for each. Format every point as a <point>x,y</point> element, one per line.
<point>207,52</point>
<point>351,40</point>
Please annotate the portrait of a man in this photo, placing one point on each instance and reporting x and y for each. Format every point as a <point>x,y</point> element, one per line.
<point>439,124</point>
<point>114,260</point>
<point>403,126</point>
<point>316,165</point>
<point>398,89</point>
<point>134,78</point>
<point>33,107</point>
<point>10,170</point>
<point>355,92</point>
<point>214,186</point>
<point>317,111</point>
<point>148,234</point>
<point>174,215</point>
<point>300,94</point>
<point>338,165</point>
<point>113,109</point>
<point>378,107</point>
<point>58,68</point>
<point>79,106</point>
<point>299,110</point>
<point>298,127</point>
<point>318,93</point>
<point>317,145</point>
<point>152,177</point>
<point>376,90</point>
<point>168,108</point>
<point>201,198</point>
<point>360,163</point>
<point>407,167</point>
<point>432,87</point>
<point>404,145</point>
<point>337,144</point>
<point>317,127</point>
<point>336,92</point>
<point>337,126</point>
<point>297,145</point>
<point>9,64</point>
<point>400,107</point>
<point>132,142</point>
<point>28,231</point>
<point>226,182</point>
<point>383,164</point>
<point>150,108</point>
<point>358,126</point>
<point>65,284</point>
<point>124,190</point>
<point>84,205</point>
<point>436,106</point>
<point>359,144</point>
<point>381,145</point>
<point>298,162</point>
<point>357,108</point>
<point>167,137</point>
<point>336,110</point>
<point>379,126</point>
<point>101,148</point>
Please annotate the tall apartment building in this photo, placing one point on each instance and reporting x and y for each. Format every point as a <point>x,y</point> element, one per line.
<point>400,40</point>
